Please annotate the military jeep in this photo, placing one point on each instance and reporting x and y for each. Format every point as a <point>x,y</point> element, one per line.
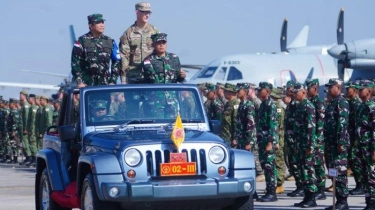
<point>112,149</point>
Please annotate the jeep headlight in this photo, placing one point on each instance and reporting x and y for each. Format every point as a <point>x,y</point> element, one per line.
<point>216,154</point>
<point>132,157</point>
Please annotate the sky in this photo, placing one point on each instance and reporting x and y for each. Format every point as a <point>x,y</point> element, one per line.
<point>35,34</point>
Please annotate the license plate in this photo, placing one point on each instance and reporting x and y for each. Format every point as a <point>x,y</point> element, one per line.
<point>177,169</point>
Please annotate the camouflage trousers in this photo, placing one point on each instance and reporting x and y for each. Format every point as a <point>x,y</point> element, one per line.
<point>134,75</point>
<point>39,143</point>
<point>33,145</point>
<point>26,144</point>
<point>357,163</point>
<point>280,166</point>
<point>338,160</point>
<point>267,161</point>
<point>369,170</point>
<point>258,167</point>
<point>6,144</point>
<point>320,171</point>
<point>307,171</point>
<point>294,161</point>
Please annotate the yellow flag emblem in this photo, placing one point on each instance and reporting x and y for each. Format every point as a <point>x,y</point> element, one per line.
<point>178,133</point>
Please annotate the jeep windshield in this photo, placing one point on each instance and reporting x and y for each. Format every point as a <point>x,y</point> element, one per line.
<point>154,105</point>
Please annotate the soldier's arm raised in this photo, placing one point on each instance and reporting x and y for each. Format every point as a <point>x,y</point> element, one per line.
<point>125,54</point>
<point>77,60</point>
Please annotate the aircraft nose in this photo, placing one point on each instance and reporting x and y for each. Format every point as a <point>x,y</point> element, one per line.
<point>338,51</point>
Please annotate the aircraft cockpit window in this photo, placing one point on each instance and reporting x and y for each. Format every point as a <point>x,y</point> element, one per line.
<point>220,75</point>
<point>208,72</point>
<point>234,74</point>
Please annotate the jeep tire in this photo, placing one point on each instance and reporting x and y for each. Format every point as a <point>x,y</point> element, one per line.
<point>243,203</point>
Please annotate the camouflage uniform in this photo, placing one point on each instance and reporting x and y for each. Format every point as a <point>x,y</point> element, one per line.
<point>291,143</point>
<point>160,105</point>
<point>135,45</point>
<point>221,98</point>
<point>161,69</point>
<point>215,108</point>
<point>319,149</point>
<point>228,124</point>
<point>277,93</point>
<point>55,114</point>
<point>92,57</point>
<point>45,118</point>
<point>267,132</point>
<point>245,127</point>
<point>31,127</point>
<point>335,133</point>
<point>5,135</point>
<point>39,140</point>
<point>188,107</point>
<point>365,129</point>
<point>24,115</point>
<point>13,123</point>
<point>356,163</point>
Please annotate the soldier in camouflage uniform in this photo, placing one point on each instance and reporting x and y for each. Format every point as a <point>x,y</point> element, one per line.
<point>215,109</point>
<point>136,44</point>
<point>313,93</point>
<point>56,111</point>
<point>290,142</point>
<point>31,127</point>
<point>336,139</point>
<point>304,132</point>
<point>24,113</point>
<point>13,125</point>
<point>46,117</point>
<point>187,106</point>
<point>203,89</point>
<point>121,107</point>
<point>365,129</point>
<point>99,111</point>
<point>220,93</point>
<point>354,161</point>
<point>39,141</point>
<point>92,55</point>
<point>2,148</point>
<point>5,135</point>
<point>268,139</point>
<point>229,121</point>
<point>161,66</point>
<point>276,95</point>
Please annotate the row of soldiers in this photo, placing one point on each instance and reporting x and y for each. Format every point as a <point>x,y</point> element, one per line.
<point>23,123</point>
<point>337,133</point>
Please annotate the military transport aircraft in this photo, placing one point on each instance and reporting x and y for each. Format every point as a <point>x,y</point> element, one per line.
<point>297,61</point>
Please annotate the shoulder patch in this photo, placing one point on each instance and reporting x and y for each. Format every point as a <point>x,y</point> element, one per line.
<point>146,62</point>
<point>278,110</point>
<point>235,106</point>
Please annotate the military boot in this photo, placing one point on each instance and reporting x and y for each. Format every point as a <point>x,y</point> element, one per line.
<point>310,201</point>
<point>320,195</point>
<point>270,196</point>
<point>280,189</point>
<point>15,159</point>
<point>255,196</point>
<point>297,193</point>
<point>358,190</point>
<point>26,161</point>
<point>32,160</point>
<point>305,198</point>
<point>8,159</point>
<point>342,203</point>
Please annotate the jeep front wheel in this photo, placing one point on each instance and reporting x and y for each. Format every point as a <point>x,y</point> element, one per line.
<point>45,200</point>
<point>244,203</point>
<point>89,198</point>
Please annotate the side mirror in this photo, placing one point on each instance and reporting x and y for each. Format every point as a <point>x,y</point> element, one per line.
<point>215,126</point>
<point>67,133</point>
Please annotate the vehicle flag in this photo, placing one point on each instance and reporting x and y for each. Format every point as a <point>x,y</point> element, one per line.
<point>178,132</point>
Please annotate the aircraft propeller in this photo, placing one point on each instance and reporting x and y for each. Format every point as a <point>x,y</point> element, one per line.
<point>284,36</point>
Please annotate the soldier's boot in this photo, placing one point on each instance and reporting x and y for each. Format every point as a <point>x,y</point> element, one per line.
<point>270,196</point>
<point>358,190</point>
<point>26,161</point>
<point>32,160</point>
<point>4,159</point>
<point>370,204</point>
<point>342,203</point>
<point>15,159</point>
<point>280,189</point>
<point>329,189</point>
<point>255,196</point>
<point>310,201</point>
<point>305,198</point>
<point>297,193</point>
<point>320,195</point>
<point>8,159</point>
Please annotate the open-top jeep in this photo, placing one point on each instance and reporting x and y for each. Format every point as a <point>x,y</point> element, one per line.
<point>112,149</point>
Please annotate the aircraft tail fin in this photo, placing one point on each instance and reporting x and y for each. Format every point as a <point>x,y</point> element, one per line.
<point>309,76</point>
<point>301,39</point>
<point>284,36</point>
<point>292,76</point>
<point>72,34</point>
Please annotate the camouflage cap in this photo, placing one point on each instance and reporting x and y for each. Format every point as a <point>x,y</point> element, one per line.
<point>95,18</point>
<point>365,84</point>
<point>277,92</point>
<point>159,37</point>
<point>31,95</point>
<point>351,84</point>
<point>312,83</point>
<point>220,85</point>
<point>143,6</point>
<point>229,87</point>
<point>297,87</point>
<point>24,92</point>
<point>100,104</point>
<point>210,87</point>
<point>290,83</point>
<point>334,81</point>
<point>4,101</point>
<point>243,86</point>
<point>263,85</point>
<point>44,97</point>
<point>57,101</point>
<point>12,100</point>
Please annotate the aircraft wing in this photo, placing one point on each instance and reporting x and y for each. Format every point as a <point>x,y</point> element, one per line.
<point>29,86</point>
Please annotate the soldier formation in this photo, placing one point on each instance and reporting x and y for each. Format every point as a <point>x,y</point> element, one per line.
<point>22,126</point>
<point>337,133</point>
